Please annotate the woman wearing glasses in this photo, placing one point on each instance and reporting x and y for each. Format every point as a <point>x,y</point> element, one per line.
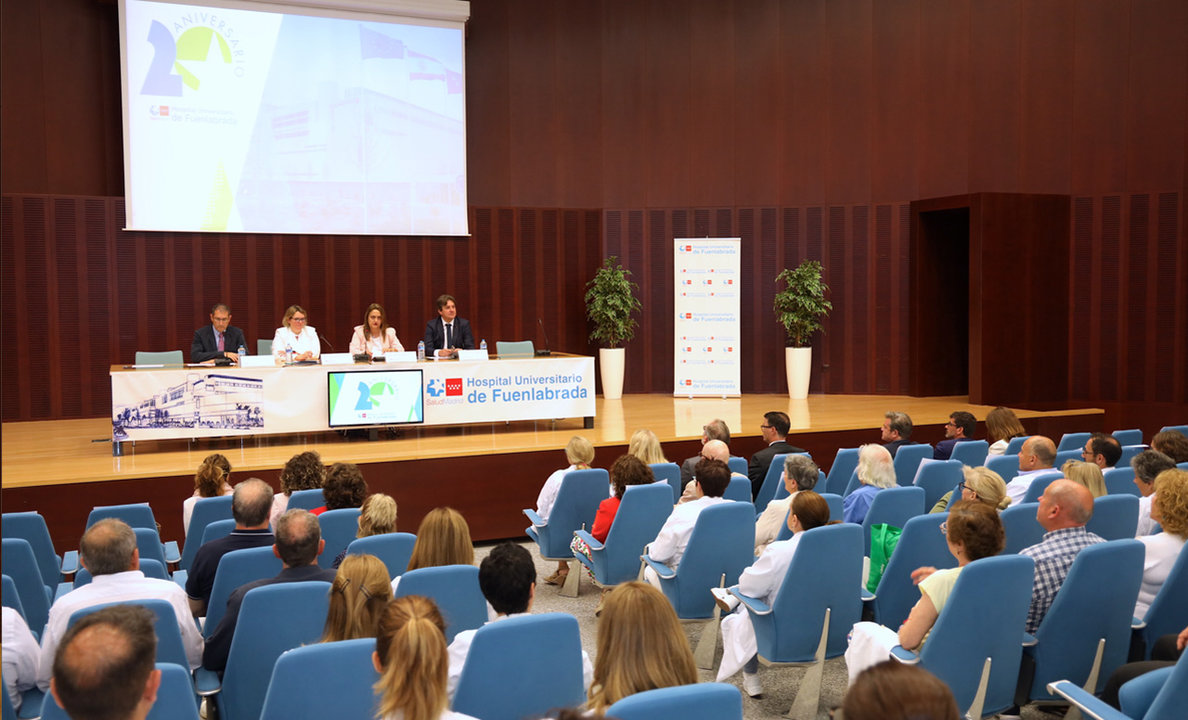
<point>296,334</point>
<point>980,484</point>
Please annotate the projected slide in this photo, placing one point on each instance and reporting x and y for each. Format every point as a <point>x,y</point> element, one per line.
<point>254,121</point>
<point>375,397</point>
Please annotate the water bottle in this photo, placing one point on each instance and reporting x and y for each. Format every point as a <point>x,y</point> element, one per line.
<point>288,353</point>
<point>483,344</point>
<point>241,352</point>
<point>420,350</point>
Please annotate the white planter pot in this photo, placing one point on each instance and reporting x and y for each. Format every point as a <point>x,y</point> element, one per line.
<point>610,367</point>
<point>798,362</point>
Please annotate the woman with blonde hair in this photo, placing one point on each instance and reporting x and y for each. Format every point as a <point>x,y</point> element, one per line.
<point>1087,474</point>
<point>1170,509</point>
<point>641,646</point>
<point>377,516</point>
<point>413,661</point>
<point>375,336</point>
<point>646,446</point>
<point>442,539</point>
<point>296,334</point>
<point>211,480</point>
<point>980,483</point>
<point>1002,425</point>
<point>580,453</point>
<point>359,593</point>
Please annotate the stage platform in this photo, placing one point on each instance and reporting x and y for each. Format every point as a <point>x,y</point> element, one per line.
<point>488,471</point>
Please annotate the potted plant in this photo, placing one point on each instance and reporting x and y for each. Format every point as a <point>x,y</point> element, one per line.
<point>800,307</point>
<point>610,302</point>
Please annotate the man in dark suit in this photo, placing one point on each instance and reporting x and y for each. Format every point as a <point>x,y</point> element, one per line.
<point>897,431</point>
<point>444,335</point>
<point>220,339</point>
<point>774,429</point>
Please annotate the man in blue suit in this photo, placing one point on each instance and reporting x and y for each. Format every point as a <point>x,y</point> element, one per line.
<point>444,335</point>
<point>220,339</point>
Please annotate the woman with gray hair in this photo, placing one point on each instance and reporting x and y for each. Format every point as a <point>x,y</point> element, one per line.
<point>876,471</point>
<point>800,473</point>
<point>1147,465</point>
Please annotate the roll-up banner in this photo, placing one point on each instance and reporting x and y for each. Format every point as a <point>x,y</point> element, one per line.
<point>707,330</point>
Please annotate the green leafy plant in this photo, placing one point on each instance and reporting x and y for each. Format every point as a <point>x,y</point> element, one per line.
<point>610,301</point>
<point>801,305</point>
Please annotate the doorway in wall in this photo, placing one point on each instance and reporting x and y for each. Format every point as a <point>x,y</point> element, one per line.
<point>940,298</point>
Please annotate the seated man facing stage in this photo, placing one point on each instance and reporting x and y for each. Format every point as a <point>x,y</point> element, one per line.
<point>712,477</point>
<point>716,429</point>
<point>960,428</point>
<point>774,428</point>
<point>897,431</point>
<point>297,335</point>
<point>444,335</point>
<point>218,340</point>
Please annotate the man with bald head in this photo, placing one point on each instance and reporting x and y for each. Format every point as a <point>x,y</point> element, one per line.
<point>104,668</point>
<point>715,429</point>
<point>711,450</point>
<point>251,505</point>
<point>1064,508</point>
<point>1038,453</point>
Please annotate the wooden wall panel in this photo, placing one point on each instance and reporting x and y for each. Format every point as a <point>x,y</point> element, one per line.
<point>848,48</point>
<point>711,71</point>
<point>895,72</point>
<point>1157,104</point>
<point>995,106</point>
<point>1101,48</point>
<point>943,114</point>
<point>804,92</point>
<point>1045,148</point>
<point>757,100</point>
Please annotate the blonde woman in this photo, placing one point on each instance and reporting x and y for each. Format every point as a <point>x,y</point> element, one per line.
<point>296,334</point>
<point>360,592</point>
<point>211,480</point>
<point>580,453</point>
<point>641,646</point>
<point>876,471</point>
<point>646,446</point>
<point>1002,425</point>
<point>1169,509</point>
<point>979,483</point>
<point>442,539</point>
<point>413,661</point>
<point>376,517</point>
<point>1087,474</point>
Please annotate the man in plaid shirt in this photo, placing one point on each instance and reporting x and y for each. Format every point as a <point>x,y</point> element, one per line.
<point>1064,509</point>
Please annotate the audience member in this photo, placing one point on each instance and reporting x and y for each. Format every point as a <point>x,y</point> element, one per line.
<point>897,431</point>
<point>1102,450</point>
<point>20,656</point>
<point>774,430</point>
<point>712,450</point>
<point>507,578</point>
<point>800,474</point>
<point>960,428</point>
<point>360,592</point>
<point>212,480</point>
<point>105,667</point>
<point>646,446</point>
<point>108,551</point>
<point>763,581</point>
<point>580,453</point>
<point>298,544</point>
<point>1172,444</point>
<point>1002,426</point>
<point>1147,465</point>
<point>715,429</point>
<point>979,483</point>
<point>249,506</point>
<point>712,477</point>
<point>876,471</point>
<point>1169,509</point>
<point>376,517</point>
<point>303,471</point>
<point>345,488</point>
<point>1064,509</point>
<point>1086,474</point>
<point>973,531</point>
<point>641,646</point>
<point>442,539</point>
<point>1165,653</point>
<point>1038,453</point>
<point>894,691</point>
<point>411,658</point>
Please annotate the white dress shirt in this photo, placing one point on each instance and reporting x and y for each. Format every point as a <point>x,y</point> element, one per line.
<point>20,656</point>
<point>669,545</point>
<point>1017,488</point>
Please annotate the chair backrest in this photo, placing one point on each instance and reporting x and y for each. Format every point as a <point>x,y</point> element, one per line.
<point>135,514</point>
<point>577,504</point>
<point>149,545</point>
<point>671,474</point>
<point>971,452</point>
<point>217,529</point>
<point>938,477</point>
<point>10,597</point>
<point>835,505</point>
<point>825,572</point>
<point>395,549</point>
<point>722,543</point>
<point>1022,529</point>
<point>206,511</point>
<point>1128,453</point>
<point>771,481</point>
<point>455,589</point>
<point>175,698</point>
<point>739,489</point>
<point>1115,517</point>
<point>1182,429</point>
<point>921,544</point>
<point>892,506</point>
<point>843,466</point>
<point>702,701</point>
<point>1173,697</point>
<point>236,568</point>
<point>1128,437</point>
<point>326,680</point>
<point>1006,466</point>
<point>1064,456</point>
<point>1015,444</point>
<point>546,674</point>
<point>1120,481</point>
<point>339,528</point>
<point>169,640</point>
<point>272,619</point>
<point>264,346</point>
<point>737,464</point>
<point>30,526</point>
<point>8,713</point>
<point>853,484</point>
<point>150,567</point>
<point>1073,441</point>
<point>20,565</point>
<point>996,591</point>
<point>640,516</point>
<point>512,349</point>
<point>1168,613</point>
<point>1040,482</point>
<point>168,357</point>
<point>306,499</point>
<point>907,461</point>
<point>1082,615</point>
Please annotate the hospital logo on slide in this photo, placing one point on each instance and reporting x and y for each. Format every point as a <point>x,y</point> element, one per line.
<point>200,45</point>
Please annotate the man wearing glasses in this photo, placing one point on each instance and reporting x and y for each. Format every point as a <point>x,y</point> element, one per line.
<point>219,340</point>
<point>774,428</point>
<point>1102,450</point>
<point>960,428</point>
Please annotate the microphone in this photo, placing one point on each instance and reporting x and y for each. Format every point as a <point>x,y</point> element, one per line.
<point>323,338</point>
<point>546,352</point>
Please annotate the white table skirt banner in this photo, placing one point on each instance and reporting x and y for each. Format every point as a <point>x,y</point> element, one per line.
<point>191,402</point>
<point>706,353</point>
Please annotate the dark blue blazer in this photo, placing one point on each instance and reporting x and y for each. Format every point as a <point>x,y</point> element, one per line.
<point>205,347</point>
<point>435,335</point>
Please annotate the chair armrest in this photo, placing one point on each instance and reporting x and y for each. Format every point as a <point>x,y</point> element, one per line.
<point>905,656</point>
<point>589,539</point>
<point>661,569</point>
<point>754,605</point>
<point>1138,624</point>
<point>1088,703</point>
<point>69,562</point>
<point>867,596</point>
<point>206,682</point>
<point>1030,640</point>
<point>172,554</point>
<point>536,520</point>
<point>180,577</point>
